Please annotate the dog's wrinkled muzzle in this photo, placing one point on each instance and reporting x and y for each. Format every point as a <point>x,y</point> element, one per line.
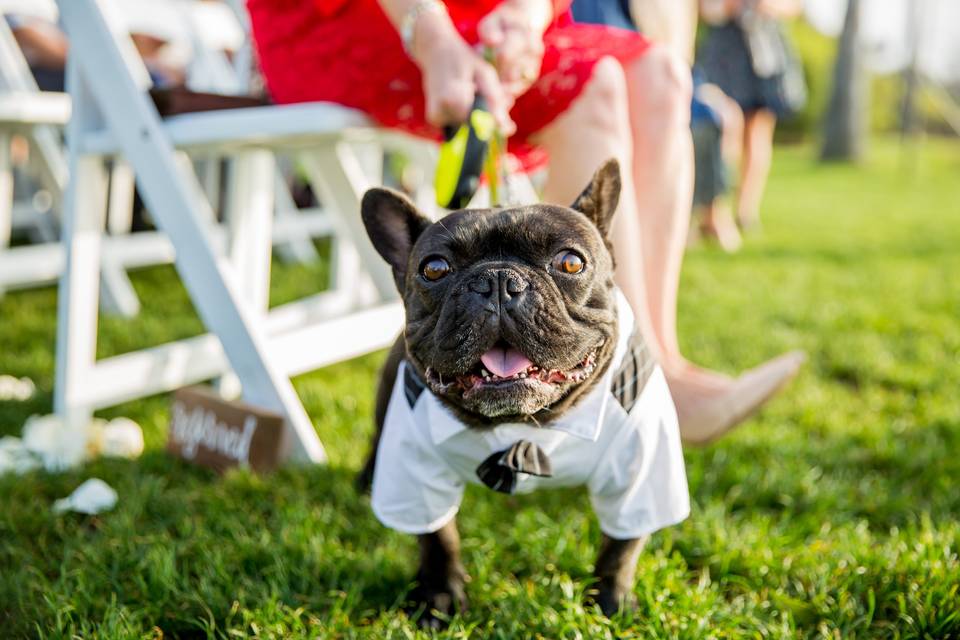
<point>499,471</point>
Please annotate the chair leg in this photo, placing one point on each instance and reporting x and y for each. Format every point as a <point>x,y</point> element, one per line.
<point>118,298</point>
<point>249,213</point>
<point>83,219</point>
<point>209,174</point>
<point>337,175</point>
<point>301,250</point>
<point>6,194</point>
<point>120,207</point>
<point>251,221</point>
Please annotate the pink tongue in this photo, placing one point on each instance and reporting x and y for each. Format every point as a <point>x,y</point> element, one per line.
<point>505,362</point>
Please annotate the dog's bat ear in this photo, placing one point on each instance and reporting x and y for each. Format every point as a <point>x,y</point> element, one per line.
<point>393,224</point>
<point>599,200</point>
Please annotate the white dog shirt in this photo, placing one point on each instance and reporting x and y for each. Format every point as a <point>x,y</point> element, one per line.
<point>621,441</point>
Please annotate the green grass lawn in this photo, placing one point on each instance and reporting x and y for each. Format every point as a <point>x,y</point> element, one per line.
<point>835,513</point>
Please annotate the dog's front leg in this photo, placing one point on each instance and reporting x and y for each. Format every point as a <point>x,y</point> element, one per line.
<point>440,579</point>
<point>615,571</point>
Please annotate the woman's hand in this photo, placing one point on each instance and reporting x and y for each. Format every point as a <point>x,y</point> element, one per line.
<point>780,9</point>
<point>453,73</point>
<point>719,11</point>
<point>514,32</point>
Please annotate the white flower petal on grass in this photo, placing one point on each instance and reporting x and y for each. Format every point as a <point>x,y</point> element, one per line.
<point>92,497</point>
<point>15,457</point>
<point>122,438</point>
<point>16,388</point>
<point>59,446</point>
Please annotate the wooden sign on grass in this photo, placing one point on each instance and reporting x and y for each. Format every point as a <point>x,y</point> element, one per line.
<point>210,431</point>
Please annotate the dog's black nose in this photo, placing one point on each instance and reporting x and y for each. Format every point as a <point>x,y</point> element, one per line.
<point>511,285</point>
<point>481,284</point>
<point>503,286</point>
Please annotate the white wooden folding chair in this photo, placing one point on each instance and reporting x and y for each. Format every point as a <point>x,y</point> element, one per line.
<point>39,118</point>
<point>113,116</point>
<point>212,30</point>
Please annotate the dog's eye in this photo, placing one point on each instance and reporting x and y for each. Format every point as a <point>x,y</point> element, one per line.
<point>568,262</point>
<point>435,268</point>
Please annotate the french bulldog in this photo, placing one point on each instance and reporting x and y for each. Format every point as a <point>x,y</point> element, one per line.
<point>519,367</point>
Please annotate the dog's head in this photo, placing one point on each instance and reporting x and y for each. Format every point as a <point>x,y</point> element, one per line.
<point>510,313</point>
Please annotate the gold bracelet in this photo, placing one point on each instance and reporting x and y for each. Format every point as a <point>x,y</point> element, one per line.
<point>409,23</point>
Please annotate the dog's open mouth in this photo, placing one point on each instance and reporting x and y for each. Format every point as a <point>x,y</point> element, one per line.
<point>504,366</point>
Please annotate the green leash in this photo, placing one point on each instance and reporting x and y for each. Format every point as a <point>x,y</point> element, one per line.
<point>470,150</point>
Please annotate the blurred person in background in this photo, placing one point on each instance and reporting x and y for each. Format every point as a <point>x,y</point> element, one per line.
<point>578,94</point>
<point>717,126</point>
<point>44,46</point>
<point>747,54</point>
<point>716,121</point>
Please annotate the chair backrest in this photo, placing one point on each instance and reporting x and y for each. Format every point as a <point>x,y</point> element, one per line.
<point>44,9</point>
<point>104,62</point>
<point>113,17</point>
<point>15,73</point>
<point>243,56</point>
<point>16,77</point>
<point>214,29</point>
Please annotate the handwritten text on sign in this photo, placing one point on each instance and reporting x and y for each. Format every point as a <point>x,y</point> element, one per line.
<point>213,432</point>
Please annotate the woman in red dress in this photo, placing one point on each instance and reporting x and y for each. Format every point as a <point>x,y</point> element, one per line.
<point>576,94</point>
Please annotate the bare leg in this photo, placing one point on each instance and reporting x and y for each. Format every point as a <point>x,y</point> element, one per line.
<point>595,128</point>
<point>716,218</point>
<point>440,579</point>
<point>641,116</point>
<point>616,571</point>
<point>708,404</point>
<point>757,155</point>
<point>731,117</point>
<point>658,96</point>
<point>717,223</point>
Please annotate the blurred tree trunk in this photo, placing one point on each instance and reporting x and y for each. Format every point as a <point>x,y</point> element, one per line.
<point>845,128</point>
<point>909,120</point>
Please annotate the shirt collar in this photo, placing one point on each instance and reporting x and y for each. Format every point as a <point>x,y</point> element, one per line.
<point>582,421</point>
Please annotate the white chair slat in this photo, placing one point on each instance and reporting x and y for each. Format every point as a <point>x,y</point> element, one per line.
<point>290,126</point>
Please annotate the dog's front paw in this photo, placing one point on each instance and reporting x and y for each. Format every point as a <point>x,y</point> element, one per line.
<point>612,598</point>
<point>437,603</point>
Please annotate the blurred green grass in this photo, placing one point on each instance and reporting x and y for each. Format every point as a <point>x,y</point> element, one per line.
<point>835,513</point>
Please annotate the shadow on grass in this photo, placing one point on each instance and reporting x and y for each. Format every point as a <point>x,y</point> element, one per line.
<point>185,545</point>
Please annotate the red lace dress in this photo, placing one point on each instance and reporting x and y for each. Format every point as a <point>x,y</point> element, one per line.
<point>346,51</point>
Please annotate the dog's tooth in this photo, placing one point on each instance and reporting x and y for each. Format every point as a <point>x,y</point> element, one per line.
<point>484,372</point>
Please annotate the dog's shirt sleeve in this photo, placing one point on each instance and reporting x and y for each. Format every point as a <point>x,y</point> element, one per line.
<point>639,484</point>
<point>414,489</point>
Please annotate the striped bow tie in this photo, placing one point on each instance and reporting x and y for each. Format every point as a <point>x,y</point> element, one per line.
<point>499,471</point>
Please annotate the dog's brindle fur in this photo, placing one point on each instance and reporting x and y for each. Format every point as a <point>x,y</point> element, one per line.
<point>557,332</point>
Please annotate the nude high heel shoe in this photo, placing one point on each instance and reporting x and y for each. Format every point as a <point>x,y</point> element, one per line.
<point>708,417</point>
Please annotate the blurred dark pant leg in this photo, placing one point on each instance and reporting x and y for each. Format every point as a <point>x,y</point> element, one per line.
<point>711,179</point>
<point>613,13</point>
